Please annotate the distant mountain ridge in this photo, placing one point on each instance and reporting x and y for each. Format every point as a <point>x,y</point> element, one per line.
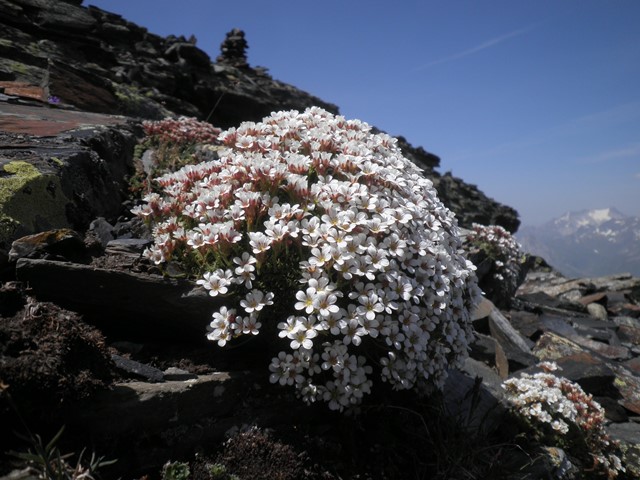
<point>587,243</point>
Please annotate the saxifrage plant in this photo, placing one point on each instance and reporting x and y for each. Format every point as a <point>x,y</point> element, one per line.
<point>168,145</point>
<point>564,415</point>
<point>495,245</point>
<point>314,227</point>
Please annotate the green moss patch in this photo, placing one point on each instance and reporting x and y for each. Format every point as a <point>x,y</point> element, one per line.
<point>29,202</point>
<point>135,103</point>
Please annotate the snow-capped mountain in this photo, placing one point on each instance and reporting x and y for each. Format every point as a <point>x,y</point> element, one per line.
<point>587,243</point>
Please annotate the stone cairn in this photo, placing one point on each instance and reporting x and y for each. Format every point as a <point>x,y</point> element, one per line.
<point>233,50</point>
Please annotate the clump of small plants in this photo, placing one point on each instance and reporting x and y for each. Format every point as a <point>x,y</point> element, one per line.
<point>315,229</point>
<point>495,247</point>
<point>168,145</point>
<point>45,460</point>
<point>561,414</point>
<point>175,471</point>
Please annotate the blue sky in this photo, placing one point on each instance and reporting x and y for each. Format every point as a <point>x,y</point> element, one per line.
<point>536,102</point>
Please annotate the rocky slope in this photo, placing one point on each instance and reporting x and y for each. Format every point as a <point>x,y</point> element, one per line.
<point>63,54</point>
<point>153,391</point>
<point>185,395</point>
<point>587,243</point>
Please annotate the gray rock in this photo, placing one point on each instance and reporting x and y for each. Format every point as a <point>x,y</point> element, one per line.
<point>614,352</point>
<point>102,229</point>
<point>62,242</point>
<point>546,463</point>
<point>516,347</point>
<point>527,323</point>
<point>490,378</point>
<point>127,245</point>
<point>551,347</point>
<point>613,411</point>
<point>178,415</point>
<point>65,181</point>
<point>588,371</point>
<point>60,16</point>
<point>562,327</point>
<point>628,386</point>
<point>598,311</point>
<point>487,350</point>
<point>140,370</point>
<point>551,304</point>
<point>628,432</point>
<point>616,282</point>
<point>474,401</point>
<point>559,325</point>
<point>147,304</point>
<point>127,347</point>
<point>173,373</point>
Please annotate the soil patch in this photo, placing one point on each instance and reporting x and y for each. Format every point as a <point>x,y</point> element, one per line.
<point>48,357</point>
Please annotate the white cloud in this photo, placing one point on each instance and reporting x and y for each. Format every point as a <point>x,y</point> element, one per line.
<point>478,48</point>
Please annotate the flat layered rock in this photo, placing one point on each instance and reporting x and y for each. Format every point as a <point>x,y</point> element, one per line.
<point>628,385</point>
<point>516,347</point>
<point>60,169</point>
<point>144,424</point>
<point>44,120</point>
<point>122,300</point>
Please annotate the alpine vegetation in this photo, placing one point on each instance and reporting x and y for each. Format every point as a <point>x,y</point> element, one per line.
<point>501,246</point>
<point>497,254</point>
<point>563,414</point>
<point>319,232</point>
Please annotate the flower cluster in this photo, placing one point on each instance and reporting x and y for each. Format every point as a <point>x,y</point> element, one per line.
<point>180,131</point>
<point>558,407</point>
<point>499,245</point>
<point>169,144</point>
<point>313,227</point>
<point>497,255</point>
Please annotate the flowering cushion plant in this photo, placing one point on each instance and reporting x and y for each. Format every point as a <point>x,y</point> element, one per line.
<point>495,246</point>
<point>313,227</point>
<point>563,413</point>
<point>499,245</point>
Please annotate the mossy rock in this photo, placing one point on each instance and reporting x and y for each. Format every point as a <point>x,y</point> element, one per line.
<point>30,201</point>
<point>631,459</point>
<point>20,71</point>
<point>135,103</point>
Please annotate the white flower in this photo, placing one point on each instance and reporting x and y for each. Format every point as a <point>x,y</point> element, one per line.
<point>306,300</point>
<point>320,256</point>
<point>256,300</point>
<point>289,328</point>
<point>223,316</point>
<point>259,242</point>
<point>216,282</point>
<point>370,305</point>
<point>303,337</point>
<point>251,325</point>
<point>246,263</point>
<point>324,303</point>
<point>279,368</point>
<point>352,332</point>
